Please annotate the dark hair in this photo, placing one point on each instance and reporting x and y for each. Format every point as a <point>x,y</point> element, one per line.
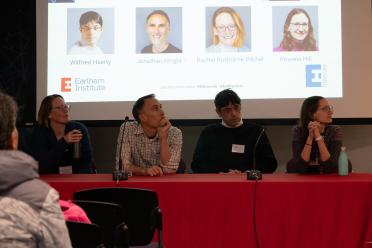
<point>8,116</point>
<point>138,106</point>
<point>90,16</point>
<point>308,108</point>
<point>45,108</point>
<point>309,43</point>
<point>226,97</point>
<point>158,12</point>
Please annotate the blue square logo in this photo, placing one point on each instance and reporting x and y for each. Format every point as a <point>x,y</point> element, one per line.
<point>314,75</point>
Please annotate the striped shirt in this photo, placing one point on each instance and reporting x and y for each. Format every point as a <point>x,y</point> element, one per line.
<point>139,150</point>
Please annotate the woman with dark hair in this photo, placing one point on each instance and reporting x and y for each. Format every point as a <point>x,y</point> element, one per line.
<point>316,144</point>
<point>298,33</point>
<point>54,138</point>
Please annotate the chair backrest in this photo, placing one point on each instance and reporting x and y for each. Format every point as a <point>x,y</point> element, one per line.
<point>84,235</point>
<point>109,217</point>
<point>141,211</point>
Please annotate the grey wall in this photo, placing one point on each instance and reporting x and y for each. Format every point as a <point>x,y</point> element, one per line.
<point>357,139</point>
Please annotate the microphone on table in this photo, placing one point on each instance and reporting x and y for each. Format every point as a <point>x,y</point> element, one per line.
<point>120,174</point>
<point>255,174</point>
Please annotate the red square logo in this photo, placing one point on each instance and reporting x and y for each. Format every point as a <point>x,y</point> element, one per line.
<point>66,84</point>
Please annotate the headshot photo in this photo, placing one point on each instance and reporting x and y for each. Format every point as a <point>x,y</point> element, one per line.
<point>159,30</point>
<point>228,29</point>
<point>295,29</point>
<point>90,31</point>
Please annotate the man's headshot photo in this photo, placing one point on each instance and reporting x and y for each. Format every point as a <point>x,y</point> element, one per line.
<point>295,29</point>
<point>90,31</point>
<point>159,30</point>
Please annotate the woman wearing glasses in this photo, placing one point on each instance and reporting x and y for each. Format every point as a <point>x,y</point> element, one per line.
<point>227,32</point>
<point>54,138</point>
<point>316,144</point>
<point>298,33</point>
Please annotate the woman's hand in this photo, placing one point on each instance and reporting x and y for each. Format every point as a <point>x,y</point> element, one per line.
<point>73,136</point>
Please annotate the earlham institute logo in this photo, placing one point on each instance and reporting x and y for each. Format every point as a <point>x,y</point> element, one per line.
<point>87,84</point>
<point>66,84</point>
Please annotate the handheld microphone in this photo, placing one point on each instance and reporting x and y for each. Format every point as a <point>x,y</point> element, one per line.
<point>255,174</point>
<point>120,174</point>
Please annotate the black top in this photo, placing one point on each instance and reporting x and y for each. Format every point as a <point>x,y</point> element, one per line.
<point>170,49</point>
<point>214,153</point>
<point>52,153</point>
<point>333,140</point>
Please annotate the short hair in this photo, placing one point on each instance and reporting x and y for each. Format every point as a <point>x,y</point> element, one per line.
<point>158,12</point>
<point>45,108</point>
<point>226,97</point>
<point>8,116</point>
<point>90,16</point>
<point>138,106</point>
<point>239,41</point>
<point>309,42</point>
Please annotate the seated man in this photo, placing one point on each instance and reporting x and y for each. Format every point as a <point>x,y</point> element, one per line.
<point>30,215</point>
<point>229,146</point>
<point>151,145</point>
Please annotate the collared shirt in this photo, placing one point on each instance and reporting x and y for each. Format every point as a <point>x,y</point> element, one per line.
<point>139,150</point>
<point>225,124</point>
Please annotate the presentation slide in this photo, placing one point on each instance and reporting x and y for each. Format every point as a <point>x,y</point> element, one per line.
<point>115,50</point>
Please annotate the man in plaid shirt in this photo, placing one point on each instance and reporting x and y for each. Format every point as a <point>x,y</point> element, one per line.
<point>150,146</point>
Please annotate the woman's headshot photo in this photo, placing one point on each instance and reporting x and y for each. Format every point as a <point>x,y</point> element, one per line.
<point>298,32</point>
<point>228,29</point>
<point>90,31</point>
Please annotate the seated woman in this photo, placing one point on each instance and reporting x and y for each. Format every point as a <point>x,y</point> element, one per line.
<point>53,139</point>
<point>298,33</point>
<point>316,144</point>
<point>227,32</point>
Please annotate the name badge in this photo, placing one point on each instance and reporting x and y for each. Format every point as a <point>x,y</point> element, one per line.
<point>65,170</point>
<point>237,148</point>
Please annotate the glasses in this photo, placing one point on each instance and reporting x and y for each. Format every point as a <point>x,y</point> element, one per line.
<point>63,107</point>
<point>297,25</point>
<point>327,109</point>
<point>87,28</point>
<point>222,28</point>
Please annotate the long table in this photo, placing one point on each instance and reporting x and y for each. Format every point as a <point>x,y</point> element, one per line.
<point>217,210</point>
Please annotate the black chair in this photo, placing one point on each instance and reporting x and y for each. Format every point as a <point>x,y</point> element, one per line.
<point>141,208</point>
<point>84,235</point>
<point>110,218</point>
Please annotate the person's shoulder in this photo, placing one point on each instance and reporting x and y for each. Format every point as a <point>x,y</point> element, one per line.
<point>175,130</point>
<point>244,49</point>
<point>251,126</point>
<point>75,125</point>
<point>334,130</point>
<point>147,49</point>
<point>212,49</point>
<point>172,49</point>
<point>278,49</point>
<point>212,128</point>
<point>40,130</point>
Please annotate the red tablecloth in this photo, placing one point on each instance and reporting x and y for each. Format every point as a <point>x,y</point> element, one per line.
<point>217,210</point>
